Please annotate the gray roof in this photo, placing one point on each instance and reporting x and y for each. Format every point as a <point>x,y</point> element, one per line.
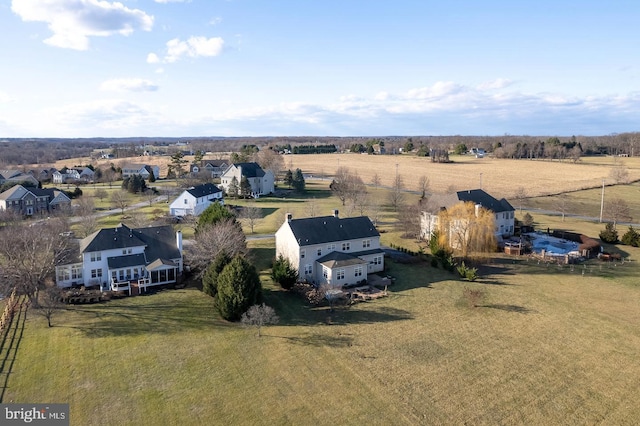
<point>126,261</point>
<point>478,196</point>
<point>159,241</point>
<point>203,190</point>
<point>327,229</point>
<point>475,196</point>
<point>339,258</point>
<point>250,170</point>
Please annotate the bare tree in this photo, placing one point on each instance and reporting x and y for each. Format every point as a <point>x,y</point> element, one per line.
<point>375,180</point>
<point>150,195</point>
<point>29,254</point>
<point>48,302</point>
<point>101,194</point>
<point>397,196</point>
<point>258,316</point>
<point>85,209</point>
<point>561,204</point>
<point>617,210</point>
<point>138,219</point>
<point>423,187</point>
<point>409,221</point>
<point>121,199</point>
<point>520,195</point>
<point>224,235</point>
<point>347,186</point>
<point>619,174</point>
<point>269,159</point>
<point>109,176</point>
<point>311,207</point>
<point>250,215</point>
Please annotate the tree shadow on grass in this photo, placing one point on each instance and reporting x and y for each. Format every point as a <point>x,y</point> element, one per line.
<point>132,316</point>
<point>319,340</point>
<point>509,308</point>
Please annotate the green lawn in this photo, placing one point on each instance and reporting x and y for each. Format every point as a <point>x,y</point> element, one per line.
<point>548,346</point>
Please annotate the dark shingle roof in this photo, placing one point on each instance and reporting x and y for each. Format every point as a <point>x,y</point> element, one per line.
<point>339,258</point>
<point>326,229</point>
<point>250,170</point>
<point>159,241</point>
<point>478,196</point>
<point>203,190</point>
<point>126,261</point>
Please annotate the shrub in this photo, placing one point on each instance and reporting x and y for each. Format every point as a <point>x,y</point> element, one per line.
<point>470,274</point>
<point>284,273</point>
<point>631,237</point>
<point>238,288</point>
<point>473,297</point>
<point>609,234</point>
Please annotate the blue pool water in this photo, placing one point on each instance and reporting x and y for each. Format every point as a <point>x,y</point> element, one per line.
<point>554,245</point>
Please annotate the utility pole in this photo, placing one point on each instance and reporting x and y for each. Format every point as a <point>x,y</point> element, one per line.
<point>602,201</point>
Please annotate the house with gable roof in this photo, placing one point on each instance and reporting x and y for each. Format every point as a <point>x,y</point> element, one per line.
<point>195,200</point>
<point>31,201</point>
<point>143,170</point>
<point>213,168</point>
<point>126,259</point>
<point>261,181</point>
<point>330,250</point>
<point>9,175</point>
<point>504,213</point>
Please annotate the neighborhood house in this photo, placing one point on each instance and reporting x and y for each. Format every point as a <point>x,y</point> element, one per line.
<point>261,181</point>
<point>195,200</point>
<point>31,201</point>
<point>126,259</point>
<point>143,170</point>
<point>504,213</point>
<point>330,250</point>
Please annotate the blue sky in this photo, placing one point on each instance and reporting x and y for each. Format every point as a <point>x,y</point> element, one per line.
<point>89,68</point>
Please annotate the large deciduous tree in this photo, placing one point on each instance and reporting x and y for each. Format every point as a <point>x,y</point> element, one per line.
<point>467,228</point>
<point>258,316</point>
<point>223,236</point>
<point>29,254</point>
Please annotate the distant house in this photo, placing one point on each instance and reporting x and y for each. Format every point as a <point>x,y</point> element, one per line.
<point>126,259</point>
<point>143,170</point>
<point>73,175</point>
<point>195,200</point>
<point>330,250</point>
<point>504,213</point>
<point>32,201</point>
<point>9,175</point>
<point>214,168</point>
<point>261,181</point>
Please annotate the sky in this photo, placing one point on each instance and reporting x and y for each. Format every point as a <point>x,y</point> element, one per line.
<point>178,68</point>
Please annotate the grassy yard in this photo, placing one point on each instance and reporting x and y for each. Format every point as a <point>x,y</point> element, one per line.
<point>547,346</point>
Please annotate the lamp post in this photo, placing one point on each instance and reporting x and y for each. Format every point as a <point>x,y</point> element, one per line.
<point>602,201</point>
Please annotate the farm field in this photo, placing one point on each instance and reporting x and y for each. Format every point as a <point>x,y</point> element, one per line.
<point>547,346</point>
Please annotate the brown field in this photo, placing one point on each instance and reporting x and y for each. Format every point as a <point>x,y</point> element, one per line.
<point>499,177</point>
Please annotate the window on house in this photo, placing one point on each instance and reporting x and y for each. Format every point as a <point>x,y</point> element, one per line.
<point>331,247</point>
<point>185,201</point>
<point>366,243</point>
<point>377,260</point>
<point>308,269</point>
<point>302,254</point>
<point>76,272</point>
<point>357,271</point>
<point>96,273</point>
<point>325,272</point>
<point>319,253</point>
<point>346,246</point>
<point>340,274</point>
<point>96,257</point>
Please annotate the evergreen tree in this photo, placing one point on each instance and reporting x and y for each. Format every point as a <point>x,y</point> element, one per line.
<point>245,187</point>
<point>213,214</point>
<point>177,164</point>
<point>284,273</point>
<point>298,181</point>
<point>631,237</point>
<point>234,188</point>
<point>609,234</point>
<point>210,277</point>
<point>238,288</point>
<point>288,178</point>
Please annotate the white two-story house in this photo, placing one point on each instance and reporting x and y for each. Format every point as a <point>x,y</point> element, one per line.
<point>261,181</point>
<point>504,213</point>
<point>143,170</point>
<point>125,259</point>
<point>331,250</point>
<point>195,200</point>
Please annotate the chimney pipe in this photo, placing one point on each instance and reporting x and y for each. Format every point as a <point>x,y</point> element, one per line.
<point>289,217</point>
<point>335,213</point>
<point>179,240</point>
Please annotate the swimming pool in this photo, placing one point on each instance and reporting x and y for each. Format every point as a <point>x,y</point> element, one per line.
<point>553,245</point>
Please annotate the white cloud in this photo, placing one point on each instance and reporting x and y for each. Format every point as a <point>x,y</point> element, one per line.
<point>215,20</point>
<point>193,47</point>
<point>4,97</point>
<point>72,22</point>
<point>499,83</point>
<point>172,1</point>
<point>152,58</point>
<point>129,85</point>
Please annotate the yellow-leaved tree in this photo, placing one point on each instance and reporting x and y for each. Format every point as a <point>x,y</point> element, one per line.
<point>468,229</point>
